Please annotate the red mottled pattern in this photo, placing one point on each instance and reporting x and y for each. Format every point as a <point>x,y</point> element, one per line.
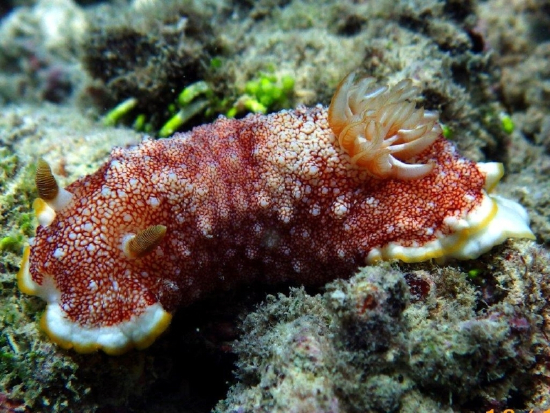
<point>266,197</point>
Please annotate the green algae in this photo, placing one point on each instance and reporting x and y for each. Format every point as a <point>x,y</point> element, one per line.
<point>266,93</point>
<point>507,123</point>
<point>16,218</point>
<point>121,110</point>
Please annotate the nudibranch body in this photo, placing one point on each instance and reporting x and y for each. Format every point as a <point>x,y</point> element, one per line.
<point>303,196</point>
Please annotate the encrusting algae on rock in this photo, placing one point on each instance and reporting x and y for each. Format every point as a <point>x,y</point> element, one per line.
<point>307,195</point>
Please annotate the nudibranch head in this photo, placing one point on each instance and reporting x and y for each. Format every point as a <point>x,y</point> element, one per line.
<point>90,268</point>
<point>380,127</point>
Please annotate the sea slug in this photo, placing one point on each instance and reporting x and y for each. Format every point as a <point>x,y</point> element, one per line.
<point>305,195</point>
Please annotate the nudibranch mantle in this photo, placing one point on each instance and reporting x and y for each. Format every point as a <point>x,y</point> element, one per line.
<point>292,196</point>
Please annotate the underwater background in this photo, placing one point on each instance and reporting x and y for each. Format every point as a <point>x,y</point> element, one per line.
<point>80,77</point>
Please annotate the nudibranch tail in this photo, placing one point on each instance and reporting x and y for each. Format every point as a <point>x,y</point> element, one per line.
<point>118,317</point>
<point>379,127</point>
